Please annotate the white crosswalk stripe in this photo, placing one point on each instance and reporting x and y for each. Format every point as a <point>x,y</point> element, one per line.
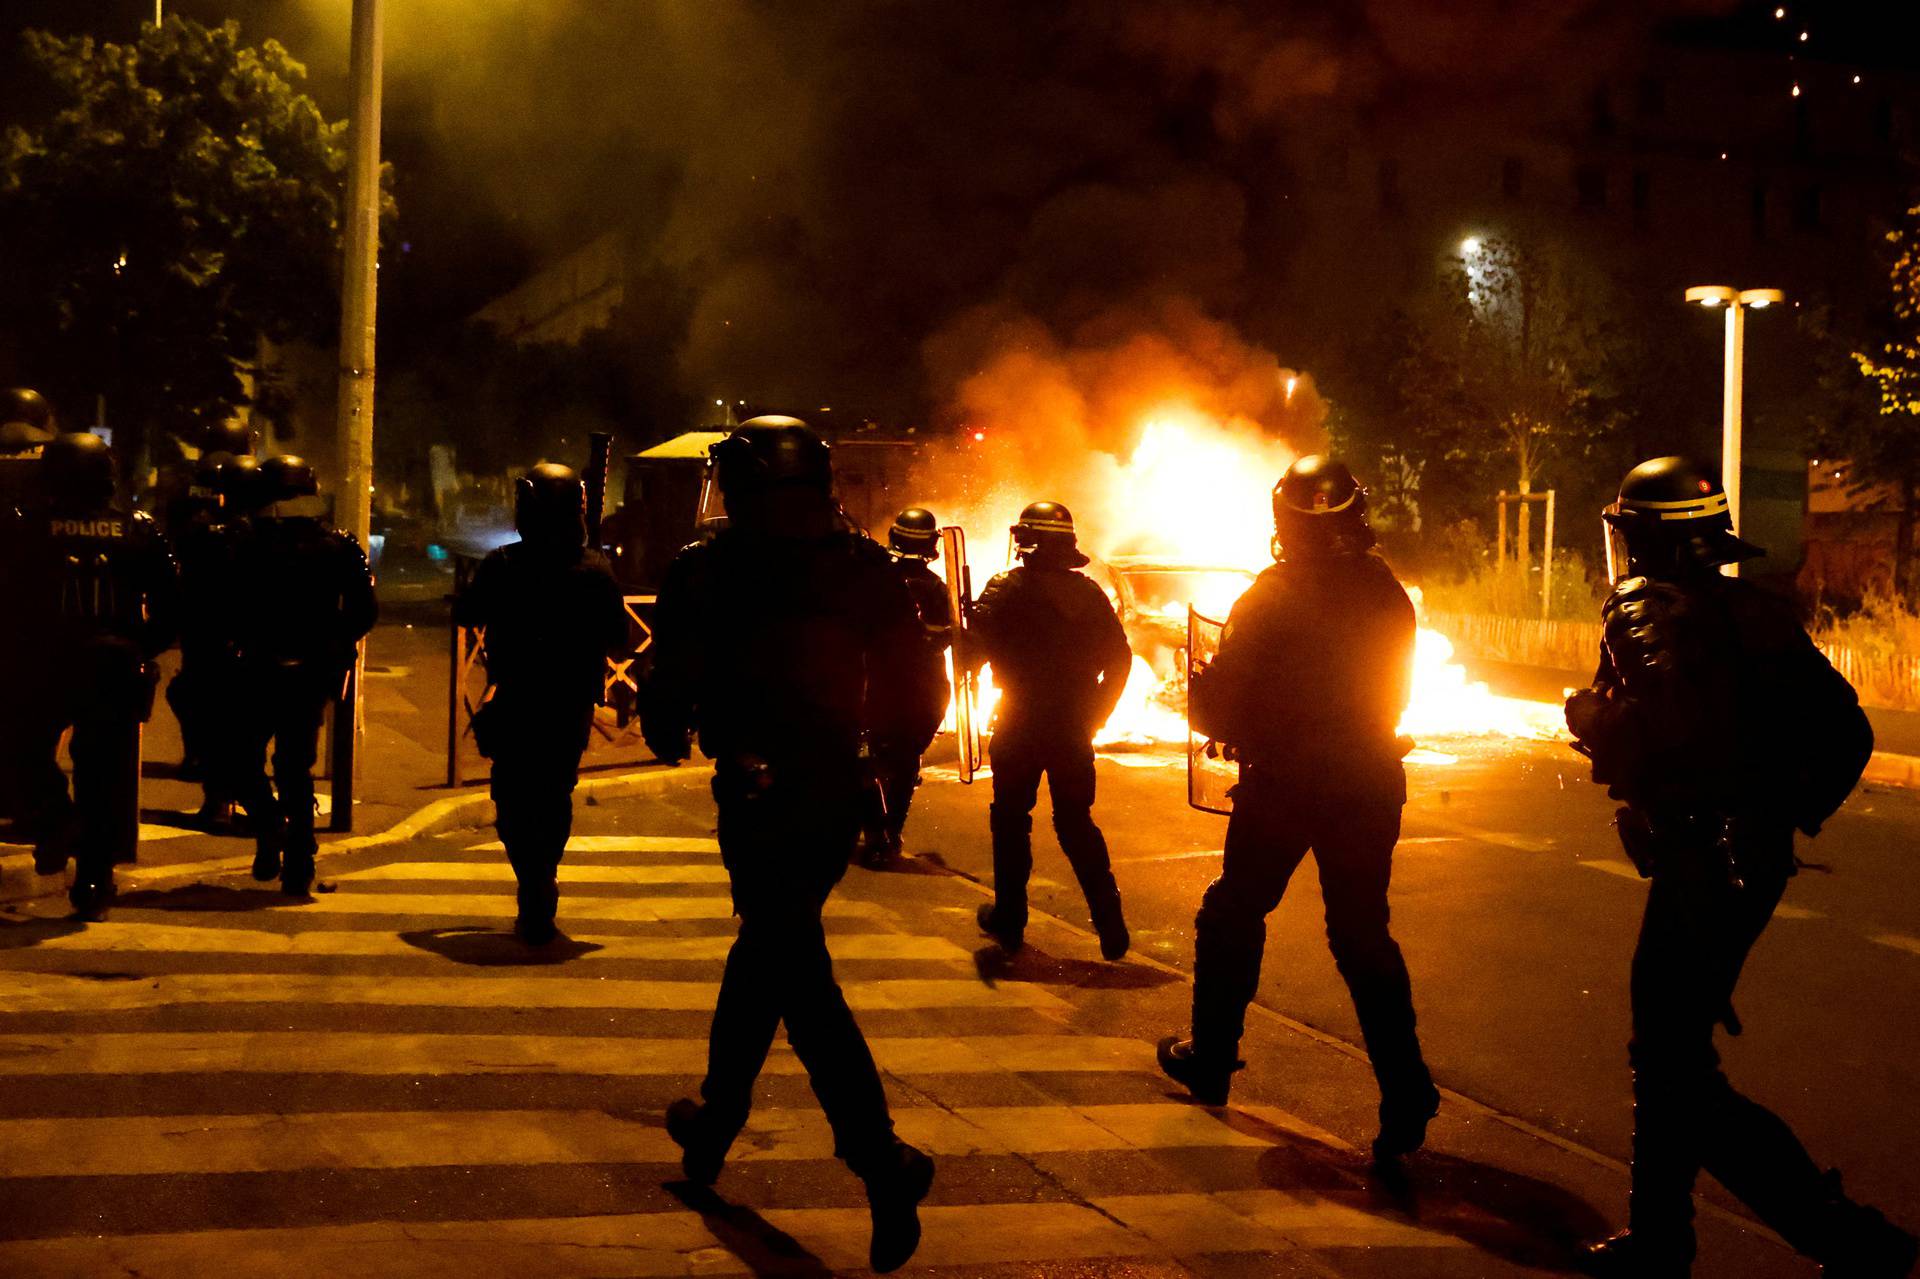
<point>445,953</point>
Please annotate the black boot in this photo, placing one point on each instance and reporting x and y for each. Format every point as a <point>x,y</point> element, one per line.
<point>296,869</point>
<point>1111,923</point>
<point>895,1188</point>
<point>1010,939</point>
<point>269,839</point>
<point>1640,1255</point>
<point>539,900</point>
<point>91,898</point>
<point>1851,1240</point>
<point>1207,1078</point>
<point>1403,1123</point>
<point>703,1148</point>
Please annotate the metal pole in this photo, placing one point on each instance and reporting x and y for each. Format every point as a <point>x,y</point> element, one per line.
<point>1730,444</point>
<point>1546,565</point>
<point>358,290</point>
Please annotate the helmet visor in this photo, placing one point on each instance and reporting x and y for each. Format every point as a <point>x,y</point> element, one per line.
<point>1614,538</point>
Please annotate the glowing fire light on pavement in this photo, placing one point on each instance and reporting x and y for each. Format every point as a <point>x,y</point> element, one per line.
<point>1187,519</point>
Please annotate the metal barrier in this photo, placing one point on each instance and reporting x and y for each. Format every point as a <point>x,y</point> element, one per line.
<point>619,689</point>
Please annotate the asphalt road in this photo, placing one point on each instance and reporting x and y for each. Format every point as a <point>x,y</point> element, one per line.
<point>1517,913</point>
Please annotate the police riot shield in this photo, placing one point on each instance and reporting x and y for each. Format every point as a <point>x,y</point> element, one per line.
<point>966,706</point>
<point>1210,775</point>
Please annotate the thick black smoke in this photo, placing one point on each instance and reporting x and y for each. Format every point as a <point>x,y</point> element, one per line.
<point>845,187</point>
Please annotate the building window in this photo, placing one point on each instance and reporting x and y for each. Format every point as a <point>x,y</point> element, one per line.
<point>1590,186</point>
<point>1806,207</point>
<point>1642,196</point>
<point>1651,95</point>
<point>1389,179</point>
<point>1513,177</point>
<point>1760,207</point>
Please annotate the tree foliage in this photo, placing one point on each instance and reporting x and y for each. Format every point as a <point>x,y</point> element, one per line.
<point>1498,376</point>
<point>180,206</point>
<point>1870,413</point>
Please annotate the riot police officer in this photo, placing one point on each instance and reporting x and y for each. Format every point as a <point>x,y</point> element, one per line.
<point>1722,729</point>
<point>1060,659</point>
<point>299,599</point>
<point>96,594</point>
<point>206,522</point>
<point>781,642</point>
<point>1314,670</point>
<point>915,542</point>
<point>553,613</point>
<point>26,427</point>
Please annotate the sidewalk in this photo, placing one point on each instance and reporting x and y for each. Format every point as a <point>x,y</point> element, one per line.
<point>401,789</point>
<point>383,1082</point>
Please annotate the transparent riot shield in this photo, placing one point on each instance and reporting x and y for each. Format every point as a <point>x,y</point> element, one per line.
<point>1210,776</point>
<point>966,704</point>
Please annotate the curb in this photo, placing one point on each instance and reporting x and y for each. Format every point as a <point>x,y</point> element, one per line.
<point>468,810</point>
<point>1887,768</point>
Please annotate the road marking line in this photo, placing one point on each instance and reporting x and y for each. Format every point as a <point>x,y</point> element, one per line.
<point>502,873</point>
<point>635,909</point>
<point>1198,854</point>
<point>169,1145</point>
<point>635,1246</point>
<point>1898,941</point>
<point>1623,870</point>
<point>1261,1221</point>
<point>624,844</point>
<point>117,937</point>
<point>39,992</point>
<point>337,1052</point>
<point>1499,839</point>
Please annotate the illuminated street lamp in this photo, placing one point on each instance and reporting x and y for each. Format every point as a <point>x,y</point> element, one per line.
<point>1737,301</point>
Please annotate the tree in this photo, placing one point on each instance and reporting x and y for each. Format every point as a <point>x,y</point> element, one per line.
<point>1878,433</point>
<point>179,207</point>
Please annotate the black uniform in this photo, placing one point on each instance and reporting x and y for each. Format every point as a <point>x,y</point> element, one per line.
<point>95,589</point>
<point>782,653</point>
<point>896,765</point>
<point>299,599</point>
<point>20,447</point>
<point>1722,728</point>
<point>203,691</point>
<point>552,613</point>
<point>1060,660</point>
<point>1313,673</point>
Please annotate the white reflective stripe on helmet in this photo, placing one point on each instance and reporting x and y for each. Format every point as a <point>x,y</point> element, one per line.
<point>1046,526</point>
<point>1689,509</point>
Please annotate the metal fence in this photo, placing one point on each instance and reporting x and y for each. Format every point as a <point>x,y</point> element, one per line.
<point>1887,680</point>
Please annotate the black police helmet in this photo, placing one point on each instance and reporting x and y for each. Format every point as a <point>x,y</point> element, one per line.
<point>550,505</point>
<point>1319,508</point>
<point>227,437</point>
<point>915,532</point>
<point>24,404</point>
<point>772,452</point>
<point>286,477</point>
<point>1673,512</point>
<point>1045,531</point>
<point>78,468</point>
<point>239,482</point>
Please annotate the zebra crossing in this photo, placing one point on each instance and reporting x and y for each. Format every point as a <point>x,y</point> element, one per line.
<point>384,1083</point>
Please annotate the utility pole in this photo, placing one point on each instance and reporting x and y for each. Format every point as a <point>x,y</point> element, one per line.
<point>358,292</point>
<point>360,284</point>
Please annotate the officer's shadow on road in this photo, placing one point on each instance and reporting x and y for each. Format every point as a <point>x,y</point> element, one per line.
<point>211,898</point>
<point>759,1245</point>
<point>1521,1219</point>
<point>19,934</point>
<point>489,948</point>
<point>995,965</point>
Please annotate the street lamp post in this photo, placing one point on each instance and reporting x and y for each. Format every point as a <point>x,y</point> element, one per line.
<point>1737,302</point>
<point>358,290</point>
